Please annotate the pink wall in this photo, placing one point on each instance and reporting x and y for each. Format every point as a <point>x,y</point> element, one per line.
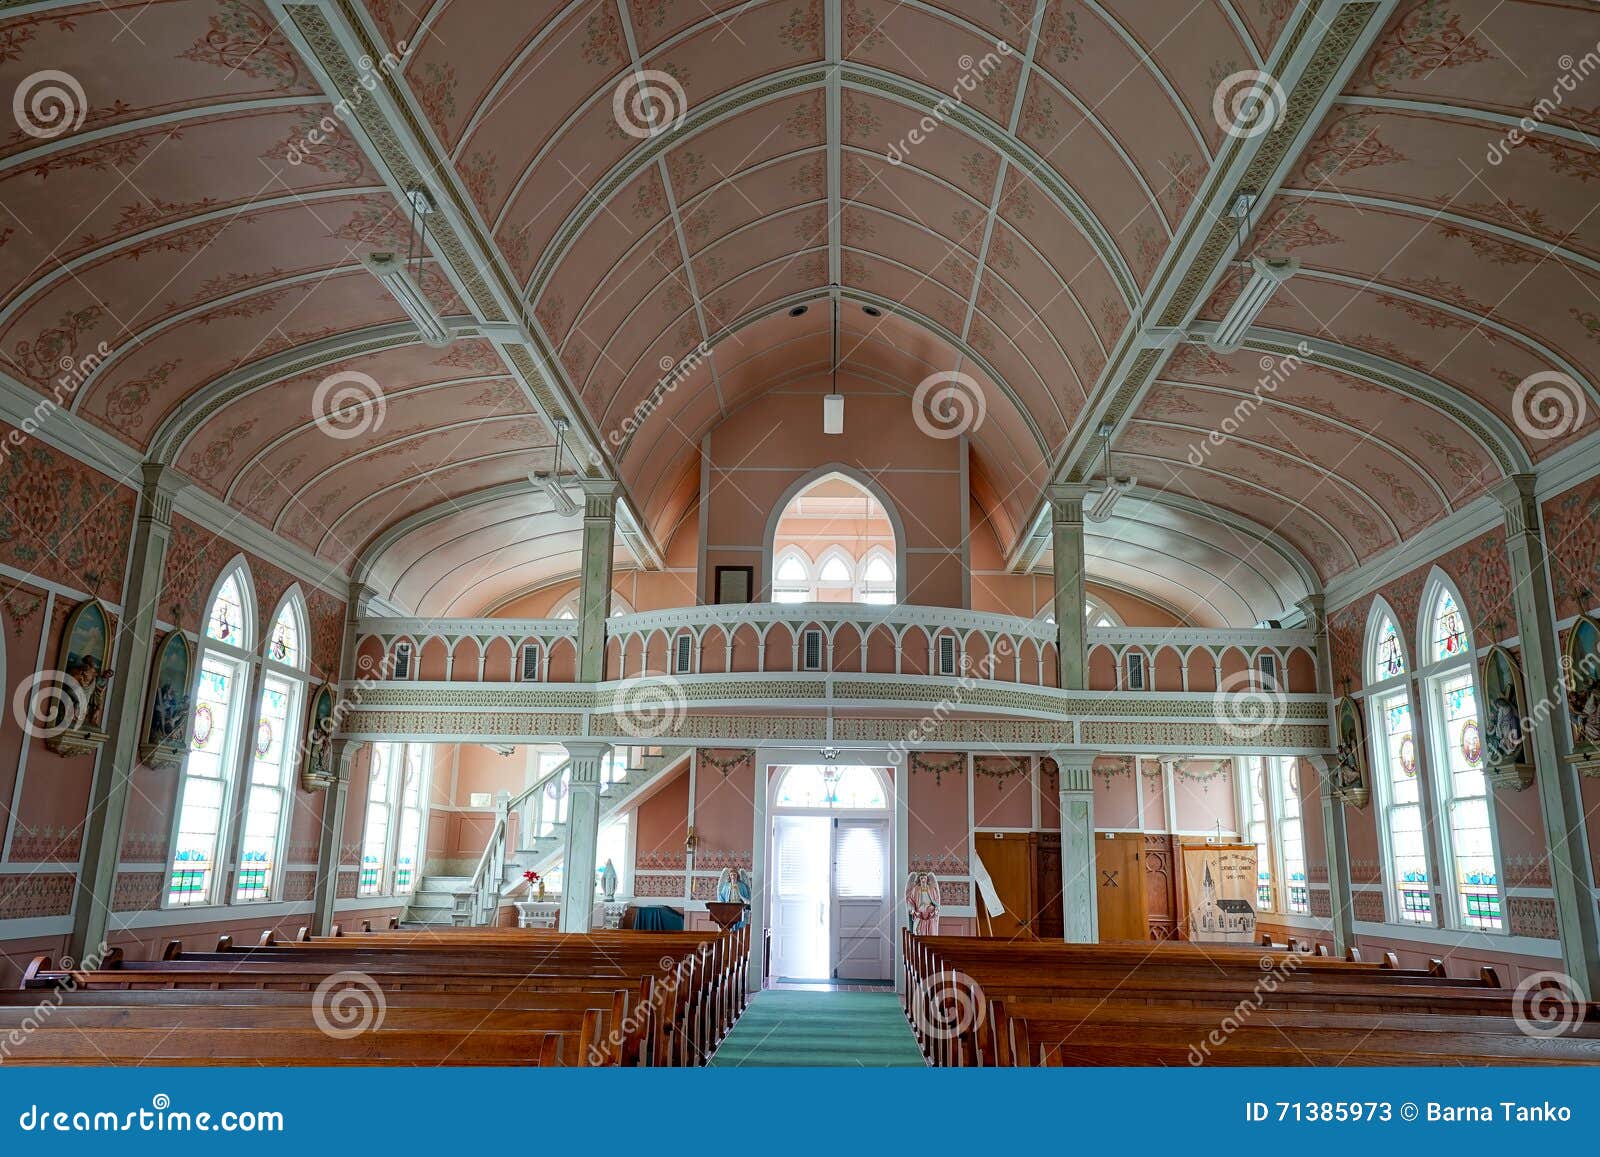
<point>782,433</point>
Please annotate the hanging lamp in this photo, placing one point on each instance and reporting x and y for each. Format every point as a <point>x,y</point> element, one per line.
<point>833,401</point>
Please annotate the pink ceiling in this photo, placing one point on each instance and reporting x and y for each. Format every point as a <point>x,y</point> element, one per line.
<point>1422,239</point>
<point>172,237</point>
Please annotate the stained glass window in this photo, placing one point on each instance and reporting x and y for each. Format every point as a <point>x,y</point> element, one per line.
<point>1401,796</point>
<point>397,800</point>
<point>265,809</point>
<point>1389,658</point>
<point>1449,631</point>
<point>205,790</point>
<point>1466,795</point>
<point>226,622</point>
<point>283,644</point>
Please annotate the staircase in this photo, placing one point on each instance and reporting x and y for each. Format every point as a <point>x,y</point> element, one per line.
<point>542,840</point>
<point>439,902</point>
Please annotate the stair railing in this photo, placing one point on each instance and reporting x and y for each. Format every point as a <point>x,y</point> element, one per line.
<point>488,877</point>
<point>538,813</point>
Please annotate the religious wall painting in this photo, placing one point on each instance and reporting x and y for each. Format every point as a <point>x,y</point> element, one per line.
<point>1350,782</point>
<point>1581,675</point>
<point>70,710</point>
<point>317,771</point>
<point>1504,740</point>
<point>167,717</point>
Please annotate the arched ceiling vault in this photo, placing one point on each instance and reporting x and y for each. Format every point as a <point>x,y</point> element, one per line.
<point>1059,232</point>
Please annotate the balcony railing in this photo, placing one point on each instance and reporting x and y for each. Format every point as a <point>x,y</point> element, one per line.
<point>837,638</point>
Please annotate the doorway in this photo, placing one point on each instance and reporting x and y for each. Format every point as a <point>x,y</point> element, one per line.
<point>832,910</point>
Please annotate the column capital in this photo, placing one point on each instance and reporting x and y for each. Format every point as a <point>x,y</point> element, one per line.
<point>1516,495</point>
<point>586,758</point>
<point>1315,610</point>
<point>161,487</point>
<point>1073,769</point>
<point>1066,502</point>
<point>600,498</point>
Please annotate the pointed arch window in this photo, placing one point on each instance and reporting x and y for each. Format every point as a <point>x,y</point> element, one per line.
<point>1393,754</point>
<point>878,579</point>
<point>217,738</point>
<point>791,579</point>
<point>1470,855</point>
<point>273,747</point>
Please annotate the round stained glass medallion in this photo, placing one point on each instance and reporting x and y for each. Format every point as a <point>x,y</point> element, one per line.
<point>1408,756</point>
<point>264,738</point>
<point>1471,742</point>
<point>203,723</point>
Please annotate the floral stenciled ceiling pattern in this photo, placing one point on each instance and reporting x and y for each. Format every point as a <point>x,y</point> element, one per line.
<point>185,245</point>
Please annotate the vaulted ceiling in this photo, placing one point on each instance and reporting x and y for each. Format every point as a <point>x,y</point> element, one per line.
<point>1058,232</point>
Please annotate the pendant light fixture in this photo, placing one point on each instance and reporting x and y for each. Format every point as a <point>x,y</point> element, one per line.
<point>833,401</point>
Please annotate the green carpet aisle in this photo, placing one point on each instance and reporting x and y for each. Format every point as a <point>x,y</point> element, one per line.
<point>821,1028</point>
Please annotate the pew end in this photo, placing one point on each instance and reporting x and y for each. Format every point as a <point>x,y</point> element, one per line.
<point>173,950</point>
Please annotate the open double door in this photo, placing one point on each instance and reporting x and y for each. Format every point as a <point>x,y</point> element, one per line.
<point>832,906</point>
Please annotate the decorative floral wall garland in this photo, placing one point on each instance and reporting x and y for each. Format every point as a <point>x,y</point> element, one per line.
<point>937,770</point>
<point>1117,767</point>
<point>1219,769</point>
<point>727,765</point>
<point>1001,767</point>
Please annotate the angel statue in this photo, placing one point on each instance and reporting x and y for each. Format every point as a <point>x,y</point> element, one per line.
<point>922,903</point>
<point>1504,730</point>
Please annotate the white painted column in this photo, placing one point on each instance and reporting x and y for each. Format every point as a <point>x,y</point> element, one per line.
<point>1079,897</point>
<point>131,659</point>
<point>1335,832</point>
<point>1336,842</point>
<point>341,755</point>
<point>1066,539</point>
<point>583,836</point>
<point>594,590</point>
<point>1560,800</point>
